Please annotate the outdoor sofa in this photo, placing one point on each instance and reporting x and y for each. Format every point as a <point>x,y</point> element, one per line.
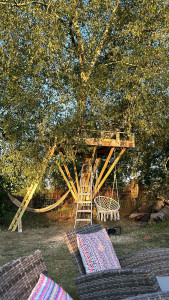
<point>18,277</point>
<point>27,278</point>
<point>135,280</point>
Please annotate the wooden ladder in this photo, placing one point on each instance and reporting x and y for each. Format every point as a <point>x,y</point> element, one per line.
<point>84,202</point>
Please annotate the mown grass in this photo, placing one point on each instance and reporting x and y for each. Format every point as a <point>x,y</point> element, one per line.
<point>49,239</point>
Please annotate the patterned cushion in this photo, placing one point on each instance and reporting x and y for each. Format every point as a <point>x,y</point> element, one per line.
<point>97,251</point>
<point>47,289</point>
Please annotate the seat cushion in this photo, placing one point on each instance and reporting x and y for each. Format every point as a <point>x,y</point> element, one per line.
<point>47,289</point>
<point>97,252</point>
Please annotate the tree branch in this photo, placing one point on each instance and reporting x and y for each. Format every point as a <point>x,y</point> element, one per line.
<point>79,46</point>
<point>118,61</point>
<point>72,35</point>
<point>101,44</point>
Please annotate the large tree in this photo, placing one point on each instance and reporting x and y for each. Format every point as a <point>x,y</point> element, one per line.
<point>82,64</point>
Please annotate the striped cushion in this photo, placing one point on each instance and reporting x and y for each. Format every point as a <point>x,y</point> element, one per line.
<point>47,289</point>
<point>97,252</point>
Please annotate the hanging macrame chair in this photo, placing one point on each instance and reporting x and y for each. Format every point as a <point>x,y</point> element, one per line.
<point>108,207</point>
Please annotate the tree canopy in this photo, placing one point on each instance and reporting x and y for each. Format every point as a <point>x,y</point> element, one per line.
<point>83,64</point>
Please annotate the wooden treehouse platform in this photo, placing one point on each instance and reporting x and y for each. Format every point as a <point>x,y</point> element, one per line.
<point>104,140</point>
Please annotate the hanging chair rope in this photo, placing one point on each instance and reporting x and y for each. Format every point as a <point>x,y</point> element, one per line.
<point>115,186</point>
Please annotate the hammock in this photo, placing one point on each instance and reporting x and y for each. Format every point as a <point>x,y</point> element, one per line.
<point>107,207</point>
<point>39,210</point>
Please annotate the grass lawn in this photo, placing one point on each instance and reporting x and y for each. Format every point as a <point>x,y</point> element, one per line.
<point>49,239</point>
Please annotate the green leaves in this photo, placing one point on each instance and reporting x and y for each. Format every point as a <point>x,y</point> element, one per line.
<point>73,64</point>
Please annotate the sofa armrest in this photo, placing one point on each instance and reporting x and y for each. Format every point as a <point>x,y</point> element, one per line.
<point>156,259</point>
<point>18,277</point>
<point>116,284</point>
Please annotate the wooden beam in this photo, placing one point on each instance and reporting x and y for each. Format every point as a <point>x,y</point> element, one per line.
<point>66,180</point>
<point>75,171</point>
<point>110,170</point>
<point>19,224</point>
<point>70,179</point>
<point>103,169</point>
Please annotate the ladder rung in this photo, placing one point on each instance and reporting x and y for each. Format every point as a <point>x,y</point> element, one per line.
<point>87,202</point>
<point>89,194</point>
<point>83,220</point>
<point>85,210</point>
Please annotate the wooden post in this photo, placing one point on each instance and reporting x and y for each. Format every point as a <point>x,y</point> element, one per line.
<point>19,224</point>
